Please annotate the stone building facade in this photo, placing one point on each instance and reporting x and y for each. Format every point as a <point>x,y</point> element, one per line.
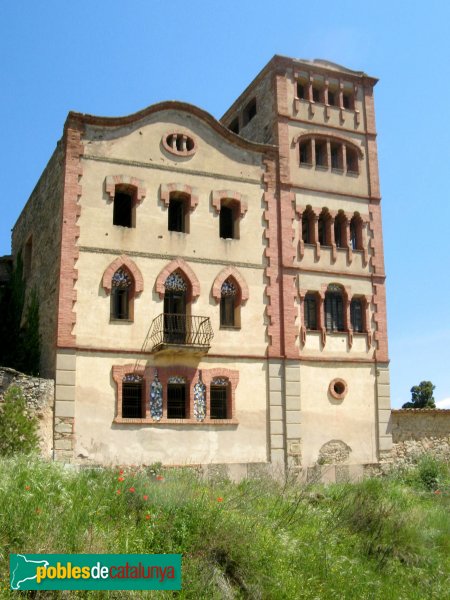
<point>212,292</point>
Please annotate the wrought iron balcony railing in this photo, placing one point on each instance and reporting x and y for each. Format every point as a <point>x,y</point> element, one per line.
<point>169,330</point>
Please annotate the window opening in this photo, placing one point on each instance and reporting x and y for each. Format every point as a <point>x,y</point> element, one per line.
<point>334,311</point>
<point>132,397</point>
<point>228,294</point>
<point>307,226</point>
<point>332,98</point>
<point>336,156</point>
<point>352,160</point>
<point>218,401</point>
<point>348,100</point>
<point>339,224</point>
<point>121,286</point>
<point>176,400</point>
<point>322,230</point>
<point>123,210</point>
<point>301,91</point>
<point>317,93</point>
<point>321,154</point>
<point>310,310</point>
<point>177,215</point>
<point>226,219</point>
<point>234,125</point>
<point>354,234</point>
<point>250,111</point>
<point>356,315</point>
<point>305,152</point>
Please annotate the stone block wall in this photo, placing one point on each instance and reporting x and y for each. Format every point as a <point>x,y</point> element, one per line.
<point>39,395</point>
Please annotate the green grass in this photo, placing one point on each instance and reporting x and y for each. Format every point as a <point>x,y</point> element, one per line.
<point>381,538</point>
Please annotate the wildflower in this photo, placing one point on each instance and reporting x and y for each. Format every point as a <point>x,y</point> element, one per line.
<point>145,497</point>
<point>118,492</point>
<point>131,490</point>
<point>219,499</point>
<point>27,487</point>
<point>147,517</point>
<point>437,492</point>
<point>160,478</point>
<point>121,472</point>
<point>121,479</point>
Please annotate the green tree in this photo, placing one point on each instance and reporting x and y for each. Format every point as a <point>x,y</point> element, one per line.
<point>421,396</point>
<point>18,427</point>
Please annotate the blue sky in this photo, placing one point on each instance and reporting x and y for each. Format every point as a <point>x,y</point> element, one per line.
<point>114,58</point>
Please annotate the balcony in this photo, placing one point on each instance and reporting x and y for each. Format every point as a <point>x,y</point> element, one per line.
<point>178,333</point>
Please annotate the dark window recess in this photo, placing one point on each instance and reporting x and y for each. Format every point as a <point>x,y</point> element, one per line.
<point>353,235</point>
<point>347,101</point>
<point>301,91</point>
<point>122,213</point>
<point>226,218</point>
<point>338,237</point>
<point>132,400</point>
<point>234,125</point>
<point>310,312</point>
<point>176,401</point>
<point>317,95</point>
<point>321,154</point>
<point>306,230</point>
<point>227,311</point>
<point>352,161</point>
<point>332,97</point>
<point>305,154</point>
<point>218,402</point>
<point>176,215</point>
<point>356,315</point>
<point>250,111</point>
<point>334,311</point>
<point>322,230</point>
<point>335,151</point>
<point>120,303</point>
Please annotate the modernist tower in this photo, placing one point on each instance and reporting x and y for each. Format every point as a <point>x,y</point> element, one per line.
<point>213,292</point>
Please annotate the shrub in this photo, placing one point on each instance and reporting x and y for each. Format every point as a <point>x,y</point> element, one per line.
<point>18,428</point>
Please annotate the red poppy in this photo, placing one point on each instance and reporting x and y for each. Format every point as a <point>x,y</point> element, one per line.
<point>27,487</point>
<point>147,517</point>
<point>145,497</point>
<point>219,499</point>
<point>118,492</point>
<point>160,478</point>
<point>121,472</point>
<point>121,479</point>
<point>131,490</point>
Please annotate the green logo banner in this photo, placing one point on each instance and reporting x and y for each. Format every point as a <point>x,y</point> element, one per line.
<point>95,571</point>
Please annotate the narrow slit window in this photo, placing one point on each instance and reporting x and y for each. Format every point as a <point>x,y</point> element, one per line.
<point>301,90</point>
<point>226,222</point>
<point>336,156</point>
<point>250,111</point>
<point>352,160</point>
<point>348,100</point>
<point>121,295</point>
<point>334,311</point>
<point>305,153</point>
<point>229,304</point>
<point>321,154</point>
<point>356,314</point>
<point>310,312</point>
<point>177,215</point>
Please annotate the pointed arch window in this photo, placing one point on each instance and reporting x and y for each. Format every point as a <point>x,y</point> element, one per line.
<point>121,295</point>
<point>229,309</point>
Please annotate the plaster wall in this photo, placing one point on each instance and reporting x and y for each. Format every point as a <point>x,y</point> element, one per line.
<point>98,439</point>
<point>324,419</point>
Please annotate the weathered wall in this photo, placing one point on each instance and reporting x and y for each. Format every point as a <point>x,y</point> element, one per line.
<point>40,248</point>
<point>39,395</point>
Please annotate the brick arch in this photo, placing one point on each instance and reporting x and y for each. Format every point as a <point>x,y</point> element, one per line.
<point>222,276</point>
<point>177,265</point>
<point>111,181</point>
<point>217,196</point>
<point>130,265</point>
<point>167,189</point>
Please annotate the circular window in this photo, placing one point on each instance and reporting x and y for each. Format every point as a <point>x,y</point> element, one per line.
<point>179,144</point>
<point>338,389</point>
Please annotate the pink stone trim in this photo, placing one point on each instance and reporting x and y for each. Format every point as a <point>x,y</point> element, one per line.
<point>123,261</point>
<point>178,265</point>
<point>168,188</point>
<point>219,195</point>
<point>332,391</point>
<point>112,181</point>
<point>222,276</point>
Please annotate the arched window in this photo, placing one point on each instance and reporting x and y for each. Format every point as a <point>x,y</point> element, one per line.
<point>324,228</point>
<point>132,397</point>
<point>219,397</point>
<point>340,227</point>
<point>229,305</point>
<point>357,314</point>
<point>334,309</point>
<point>308,226</point>
<point>310,311</point>
<point>356,233</point>
<point>121,295</point>
<point>175,308</point>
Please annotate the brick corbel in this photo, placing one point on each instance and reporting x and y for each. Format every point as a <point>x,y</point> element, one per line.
<point>222,276</point>
<point>130,265</point>
<point>112,181</point>
<point>175,265</point>
<point>168,188</point>
<point>219,195</point>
